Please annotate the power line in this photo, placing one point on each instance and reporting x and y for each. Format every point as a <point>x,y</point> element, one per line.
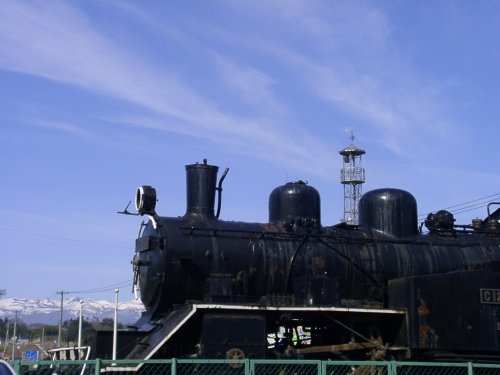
<point>470,208</point>
<point>467,206</point>
<point>105,288</point>
<point>475,200</point>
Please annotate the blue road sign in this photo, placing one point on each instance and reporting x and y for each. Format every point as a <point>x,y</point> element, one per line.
<point>31,355</point>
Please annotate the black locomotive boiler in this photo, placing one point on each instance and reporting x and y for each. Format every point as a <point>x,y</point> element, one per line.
<point>295,288</point>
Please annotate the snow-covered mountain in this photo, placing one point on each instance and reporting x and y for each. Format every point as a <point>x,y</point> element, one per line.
<point>47,311</point>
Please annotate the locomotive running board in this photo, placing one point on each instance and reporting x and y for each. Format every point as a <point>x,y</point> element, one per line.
<point>167,326</point>
<point>300,308</point>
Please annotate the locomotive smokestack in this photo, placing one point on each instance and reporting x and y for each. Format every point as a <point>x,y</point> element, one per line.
<point>201,180</point>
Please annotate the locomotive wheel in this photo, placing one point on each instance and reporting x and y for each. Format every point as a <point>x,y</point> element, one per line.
<point>235,353</point>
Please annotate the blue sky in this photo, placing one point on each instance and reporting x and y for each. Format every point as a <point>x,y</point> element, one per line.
<point>97,98</point>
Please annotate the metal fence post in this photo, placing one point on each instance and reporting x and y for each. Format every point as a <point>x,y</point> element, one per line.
<point>97,369</point>
<point>16,364</point>
<point>173,370</point>
<point>392,368</point>
<point>470,368</point>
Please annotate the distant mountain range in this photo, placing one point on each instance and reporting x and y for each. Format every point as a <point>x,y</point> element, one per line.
<point>47,311</point>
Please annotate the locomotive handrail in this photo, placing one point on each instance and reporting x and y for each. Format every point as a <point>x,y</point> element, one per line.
<point>338,238</point>
<point>292,236</point>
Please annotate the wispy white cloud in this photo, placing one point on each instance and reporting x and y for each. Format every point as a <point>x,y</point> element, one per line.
<point>252,84</point>
<point>347,67</point>
<point>65,127</point>
<point>356,66</point>
<point>57,42</point>
<point>64,47</point>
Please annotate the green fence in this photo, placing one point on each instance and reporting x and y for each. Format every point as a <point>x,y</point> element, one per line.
<point>250,367</point>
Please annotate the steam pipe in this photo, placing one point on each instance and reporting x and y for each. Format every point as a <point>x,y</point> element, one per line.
<point>493,224</point>
<point>219,192</point>
<point>488,207</point>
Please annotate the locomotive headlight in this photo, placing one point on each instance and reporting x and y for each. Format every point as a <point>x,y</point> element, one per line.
<point>145,200</point>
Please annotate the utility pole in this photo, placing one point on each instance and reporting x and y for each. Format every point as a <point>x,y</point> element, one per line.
<point>43,341</point>
<point>80,330</point>
<point>6,338</point>
<point>115,324</point>
<point>14,339</point>
<point>60,319</point>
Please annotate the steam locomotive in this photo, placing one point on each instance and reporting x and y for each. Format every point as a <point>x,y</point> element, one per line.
<point>293,288</point>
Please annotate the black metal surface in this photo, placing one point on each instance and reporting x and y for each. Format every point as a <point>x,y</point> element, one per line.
<point>227,333</point>
<point>464,315</point>
<point>164,328</point>
<point>102,346</point>
<point>200,182</point>
<point>389,211</point>
<point>293,202</point>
